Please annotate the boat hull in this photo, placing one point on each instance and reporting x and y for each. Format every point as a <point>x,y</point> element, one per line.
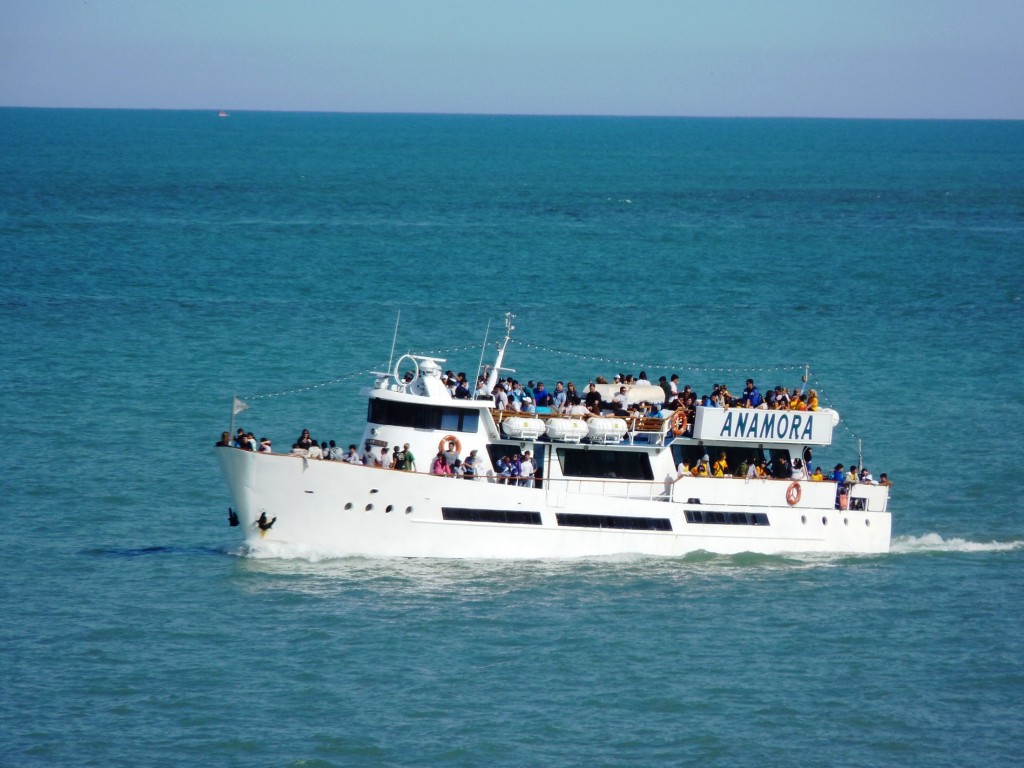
<point>340,509</point>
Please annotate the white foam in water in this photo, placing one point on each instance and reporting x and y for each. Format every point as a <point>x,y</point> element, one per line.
<point>933,542</point>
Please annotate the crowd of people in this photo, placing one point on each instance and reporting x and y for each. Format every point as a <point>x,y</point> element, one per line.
<point>780,468</point>
<point>564,399</point>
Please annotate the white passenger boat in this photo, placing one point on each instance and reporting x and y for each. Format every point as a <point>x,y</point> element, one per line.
<point>604,486</point>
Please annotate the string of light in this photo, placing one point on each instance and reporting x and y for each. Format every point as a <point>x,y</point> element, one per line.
<point>641,365</point>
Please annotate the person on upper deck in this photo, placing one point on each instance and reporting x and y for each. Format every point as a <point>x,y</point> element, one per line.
<point>751,396</point>
<point>540,395</point>
<point>663,383</point>
<point>620,402</point>
<point>558,398</point>
<point>501,401</point>
<point>577,408</point>
<point>527,405</point>
<point>516,395</point>
<point>594,400</point>
<point>352,457</point>
<point>461,387</point>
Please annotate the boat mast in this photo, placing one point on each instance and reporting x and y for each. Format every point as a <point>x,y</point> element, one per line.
<point>492,378</point>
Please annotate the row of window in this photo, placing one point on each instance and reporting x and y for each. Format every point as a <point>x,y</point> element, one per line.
<point>614,522</point>
<point>520,517</point>
<point>726,518</point>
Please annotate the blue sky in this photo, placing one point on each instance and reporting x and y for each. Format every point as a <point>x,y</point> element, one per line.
<point>814,58</point>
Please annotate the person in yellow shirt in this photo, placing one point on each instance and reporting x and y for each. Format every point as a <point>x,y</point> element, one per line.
<point>812,400</point>
<point>720,467</point>
<point>817,475</point>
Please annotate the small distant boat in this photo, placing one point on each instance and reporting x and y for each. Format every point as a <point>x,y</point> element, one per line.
<point>222,113</point>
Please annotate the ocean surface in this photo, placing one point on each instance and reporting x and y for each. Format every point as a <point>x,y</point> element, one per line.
<point>156,263</point>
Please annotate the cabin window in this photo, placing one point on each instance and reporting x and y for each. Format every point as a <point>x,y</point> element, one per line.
<point>417,416</point>
<point>507,516</point>
<point>612,465</point>
<point>615,522</point>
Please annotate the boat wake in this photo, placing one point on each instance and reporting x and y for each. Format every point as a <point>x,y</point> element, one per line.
<point>933,542</point>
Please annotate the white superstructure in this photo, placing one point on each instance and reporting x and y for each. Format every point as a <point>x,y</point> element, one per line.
<point>604,486</point>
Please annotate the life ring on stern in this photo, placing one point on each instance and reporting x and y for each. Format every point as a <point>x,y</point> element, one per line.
<point>679,423</point>
<point>443,445</point>
<point>793,493</point>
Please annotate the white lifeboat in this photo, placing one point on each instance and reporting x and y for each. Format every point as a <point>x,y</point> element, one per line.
<point>522,428</point>
<point>566,430</point>
<point>606,430</point>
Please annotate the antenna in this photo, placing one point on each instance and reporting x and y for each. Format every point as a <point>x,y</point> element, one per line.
<point>492,379</point>
<point>483,349</point>
<point>394,339</point>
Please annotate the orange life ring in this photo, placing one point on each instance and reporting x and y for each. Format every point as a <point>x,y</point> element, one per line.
<point>793,493</point>
<point>443,445</point>
<point>679,422</point>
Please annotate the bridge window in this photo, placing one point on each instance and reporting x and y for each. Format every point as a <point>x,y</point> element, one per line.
<point>420,416</point>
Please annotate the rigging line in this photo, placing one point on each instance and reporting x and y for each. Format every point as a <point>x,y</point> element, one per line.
<point>307,387</point>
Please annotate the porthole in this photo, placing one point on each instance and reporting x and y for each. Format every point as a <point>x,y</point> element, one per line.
<point>846,521</point>
<point>369,507</point>
<point>390,508</point>
<point>803,519</point>
<point>867,522</point>
<point>408,510</point>
<point>824,521</point>
<point>349,505</point>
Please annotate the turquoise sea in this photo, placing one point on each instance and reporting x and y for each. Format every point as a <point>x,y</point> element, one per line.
<point>156,263</point>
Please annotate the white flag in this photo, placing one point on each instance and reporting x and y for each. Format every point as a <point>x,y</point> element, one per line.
<point>237,406</point>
